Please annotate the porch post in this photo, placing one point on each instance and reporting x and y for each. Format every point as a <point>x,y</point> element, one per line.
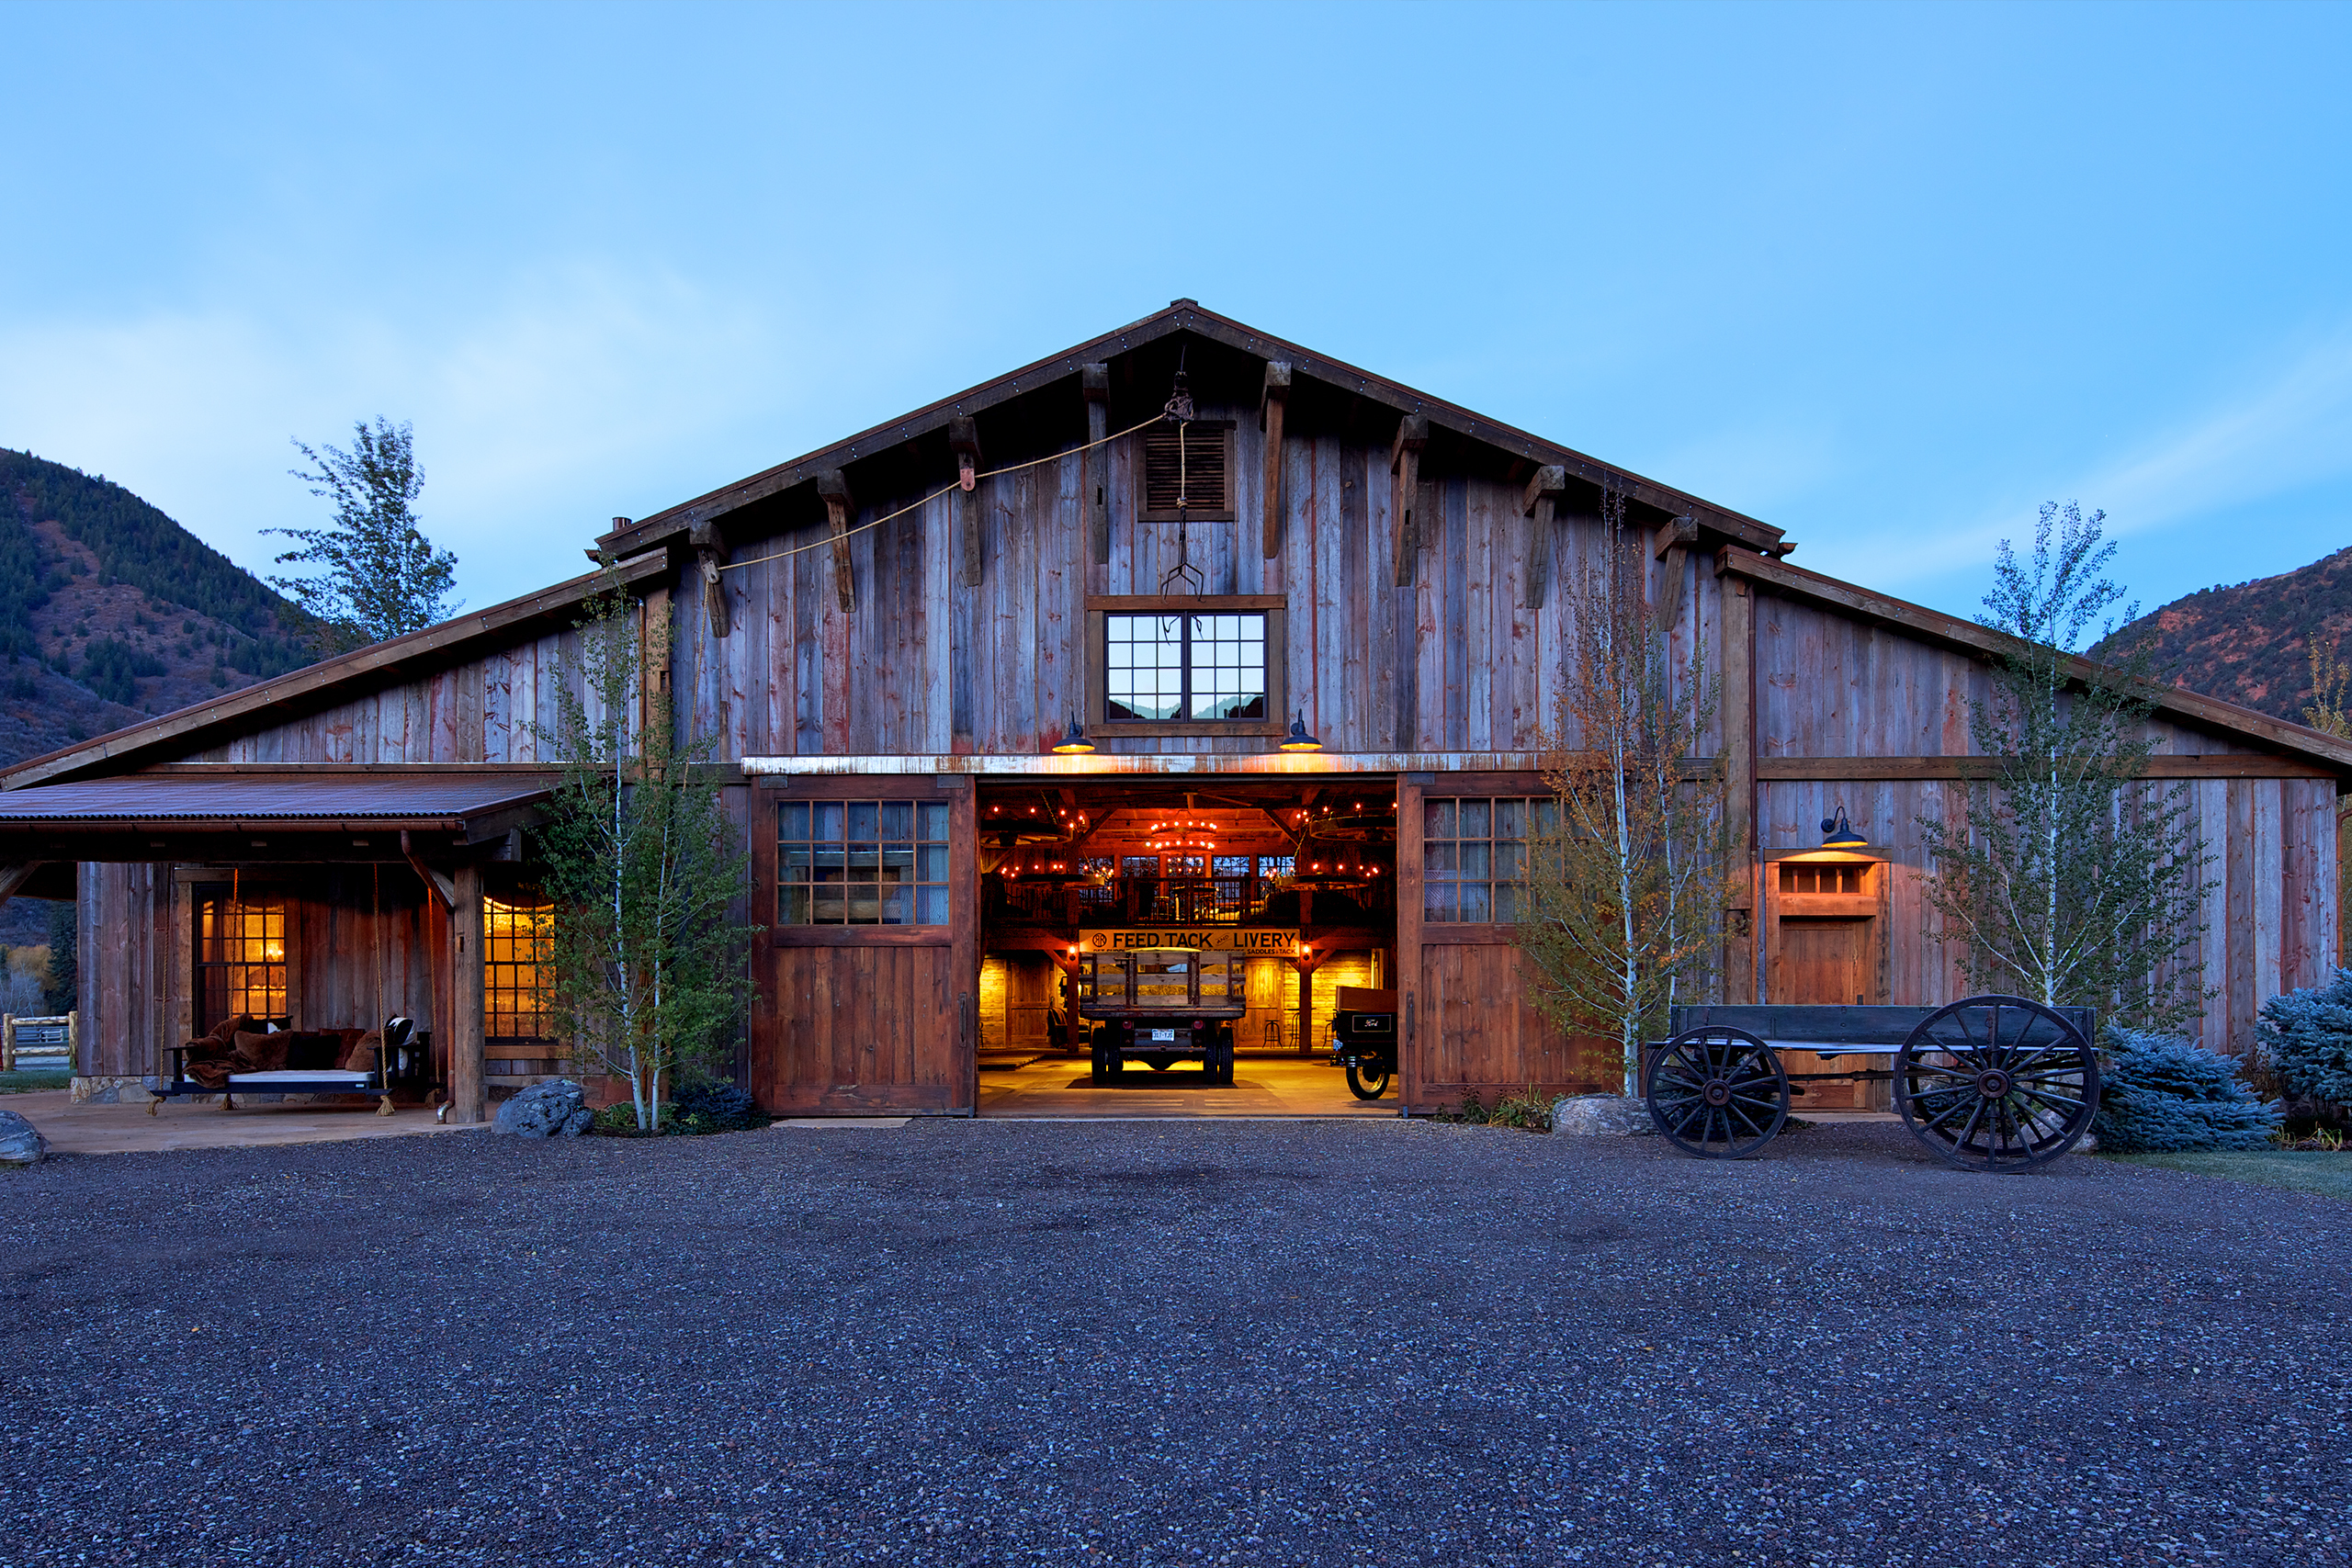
<point>466,1102</point>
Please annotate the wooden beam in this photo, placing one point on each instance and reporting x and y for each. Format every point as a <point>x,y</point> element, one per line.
<point>467,1093</point>
<point>434,881</point>
<point>833,486</point>
<point>1271,404</point>
<point>1094,478</point>
<point>1900,769</point>
<point>711,555</point>
<point>963,441</point>
<point>1405,463</point>
<point>15,876</point>
<point>1540,503</point>
<point>1684,530</point>
<point>1738,710</point>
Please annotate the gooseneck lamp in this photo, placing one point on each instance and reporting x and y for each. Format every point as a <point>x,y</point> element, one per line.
<point>1839,834</point>
<point>1074,741</point>
<point>1298,740</point>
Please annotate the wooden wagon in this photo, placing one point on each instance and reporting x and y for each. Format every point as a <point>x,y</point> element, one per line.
<point>1989,1083</point>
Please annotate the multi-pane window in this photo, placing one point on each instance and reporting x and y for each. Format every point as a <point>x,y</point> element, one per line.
<point>1276,867</point>
<point>1185,668</point>
<point>1474,856</point>
<point>1833,877</point>
<point>240,958</point>
<point>861,862</point>
<point>1229,865</point>
<point>517,942</point>
<point>1139,865</point>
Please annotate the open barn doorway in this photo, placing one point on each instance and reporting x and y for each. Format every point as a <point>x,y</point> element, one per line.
<point>1181,924</point>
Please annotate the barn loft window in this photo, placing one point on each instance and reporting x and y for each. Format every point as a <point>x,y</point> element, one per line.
<point>240,958</point>
<point>1202,480</point>
<point>1474,856</point>
<point>1835,877</point>
<point>517,942</point>
<point>1186,668</point>
<point>861,862</point>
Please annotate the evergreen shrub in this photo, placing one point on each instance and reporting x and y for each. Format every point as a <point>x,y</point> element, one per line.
<point>2159,1093</point>
<point>2304,1041</point>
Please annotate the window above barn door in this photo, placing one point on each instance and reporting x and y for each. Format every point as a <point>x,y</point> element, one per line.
<point>1185,665</point>
<point>1200,471</point>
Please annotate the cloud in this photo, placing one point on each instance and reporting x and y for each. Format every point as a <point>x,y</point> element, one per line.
<point>538,412</point>
<point>2292,430</point>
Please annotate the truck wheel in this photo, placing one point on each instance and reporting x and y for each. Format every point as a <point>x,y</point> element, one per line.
<point>1117,1062</point>
<point>1367,1077</point>
<point>1102,1068</point>
<point>1224,1056</point>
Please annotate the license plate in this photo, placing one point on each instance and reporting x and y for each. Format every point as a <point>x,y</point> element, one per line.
<point>1168,1034</point>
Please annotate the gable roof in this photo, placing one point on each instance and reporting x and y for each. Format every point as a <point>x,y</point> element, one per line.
<point>1934,626</point>
<point>321,684</point>
<point>1185,316</point>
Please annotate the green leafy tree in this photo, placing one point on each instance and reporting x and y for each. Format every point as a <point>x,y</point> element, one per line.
<point>643,866</point>
<point>2072,878</point>
<point>1622,913</point>
<point>378,576</point>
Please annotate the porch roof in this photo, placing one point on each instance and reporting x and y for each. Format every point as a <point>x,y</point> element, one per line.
<point>312,800</point>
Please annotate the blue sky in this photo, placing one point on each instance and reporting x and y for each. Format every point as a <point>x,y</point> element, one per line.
<point>1884,277</point>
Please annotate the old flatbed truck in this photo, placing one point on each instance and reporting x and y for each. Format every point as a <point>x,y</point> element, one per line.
<point>1161,1005</point>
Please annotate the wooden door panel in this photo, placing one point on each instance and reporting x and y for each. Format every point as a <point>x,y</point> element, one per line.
<point>1833,962</point>
<point>863,1029</point>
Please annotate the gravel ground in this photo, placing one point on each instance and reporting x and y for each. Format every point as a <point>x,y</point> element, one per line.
<point>1164,1343</point>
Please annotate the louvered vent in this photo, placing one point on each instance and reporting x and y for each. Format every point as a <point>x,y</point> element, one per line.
<point>1201,484</point>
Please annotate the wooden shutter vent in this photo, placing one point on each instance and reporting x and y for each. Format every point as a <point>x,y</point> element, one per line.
<point>1203,487</point>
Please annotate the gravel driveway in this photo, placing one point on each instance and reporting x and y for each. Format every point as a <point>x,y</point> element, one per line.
<point>1164,1343</point>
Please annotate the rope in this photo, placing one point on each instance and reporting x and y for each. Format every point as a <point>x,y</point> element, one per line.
<point>934,495</point>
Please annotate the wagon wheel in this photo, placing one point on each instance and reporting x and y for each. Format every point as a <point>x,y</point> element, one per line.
<point>1996,1083</point>
<point>1717,1093</point>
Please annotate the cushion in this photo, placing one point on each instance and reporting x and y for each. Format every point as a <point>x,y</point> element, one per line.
<point>261,1053</point>
<point>359,1052</point>
<point>314,1049</point>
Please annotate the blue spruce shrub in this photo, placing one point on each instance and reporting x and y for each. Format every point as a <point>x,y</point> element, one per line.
<point>2305,1040</point>
<point>2158,1092</point>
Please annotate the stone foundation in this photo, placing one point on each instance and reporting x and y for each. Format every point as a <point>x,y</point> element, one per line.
<point>109,1090</point>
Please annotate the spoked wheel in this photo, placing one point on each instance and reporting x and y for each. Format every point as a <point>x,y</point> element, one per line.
<point>1996,1083</point>
<point>1367,1080</point>
<point>1718,1093</point>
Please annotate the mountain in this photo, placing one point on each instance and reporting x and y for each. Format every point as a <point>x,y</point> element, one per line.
<point>111,612</point>
<point>2251,644</point>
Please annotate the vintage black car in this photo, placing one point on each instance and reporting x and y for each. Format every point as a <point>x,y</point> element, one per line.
<point>1363,1036</point>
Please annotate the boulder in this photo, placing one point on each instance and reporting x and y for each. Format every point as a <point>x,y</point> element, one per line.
<point>20,1140</point>
<point>577,1122</point>
<point>543,1110</point>
<point>1601,1116</point>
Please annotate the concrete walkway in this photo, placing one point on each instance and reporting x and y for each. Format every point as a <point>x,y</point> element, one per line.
<point>90,1129</point>
<point>1055,1086</point>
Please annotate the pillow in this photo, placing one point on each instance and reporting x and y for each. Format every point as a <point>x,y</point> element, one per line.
<point>261,1053</point>
<point>359,1054</point>
<point>313,1050</point>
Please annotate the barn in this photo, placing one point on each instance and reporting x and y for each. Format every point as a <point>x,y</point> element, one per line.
<point>1040,671</point>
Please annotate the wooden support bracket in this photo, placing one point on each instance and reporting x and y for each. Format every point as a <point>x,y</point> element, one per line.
<point>1540,503</point>
<point>15,876</point>
<point>1682,530</point>
<point>1405,463</point>
<point>438,882</point>
<point>1095,479</point>
<point>963,440</point>
<point>711,555</point>
<point>833,486</point>
<point>1271,404</point>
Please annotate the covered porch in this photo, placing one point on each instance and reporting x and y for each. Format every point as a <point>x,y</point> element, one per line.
<point>320,899</point>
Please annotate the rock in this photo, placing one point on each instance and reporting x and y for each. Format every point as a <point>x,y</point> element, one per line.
<point>20,1140</point>
<point>578,1122</point>
<point>1601,1116</point>
<point>542,1110</point>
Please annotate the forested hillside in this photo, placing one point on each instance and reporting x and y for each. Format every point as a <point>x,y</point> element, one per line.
<point>2251,644</point>
<point>110,612</point>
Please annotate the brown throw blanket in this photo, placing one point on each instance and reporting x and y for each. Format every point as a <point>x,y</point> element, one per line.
<point>242,1045</point>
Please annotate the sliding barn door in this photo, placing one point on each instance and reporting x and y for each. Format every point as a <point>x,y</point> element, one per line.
<point>869,971</point>
<point>1461,842</point>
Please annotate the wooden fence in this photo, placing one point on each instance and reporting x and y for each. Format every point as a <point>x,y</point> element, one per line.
<point>39,1044</point>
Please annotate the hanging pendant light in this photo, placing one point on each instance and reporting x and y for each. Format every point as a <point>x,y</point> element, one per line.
<point>1298,740</point>
<point>1839,834</point>
<point>1074,741</point>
